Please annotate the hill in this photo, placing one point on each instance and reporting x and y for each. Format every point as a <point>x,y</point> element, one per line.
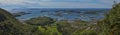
<point>111,24</point>
<point>9,25</point>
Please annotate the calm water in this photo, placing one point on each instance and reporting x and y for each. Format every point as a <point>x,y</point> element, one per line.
<point>85,14</point>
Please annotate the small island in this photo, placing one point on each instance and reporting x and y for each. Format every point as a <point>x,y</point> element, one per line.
<point>18,14</point>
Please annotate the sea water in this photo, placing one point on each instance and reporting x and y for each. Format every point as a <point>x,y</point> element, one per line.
<point>85,14</point>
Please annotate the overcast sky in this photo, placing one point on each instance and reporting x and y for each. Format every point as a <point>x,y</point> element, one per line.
<point>56,3</point>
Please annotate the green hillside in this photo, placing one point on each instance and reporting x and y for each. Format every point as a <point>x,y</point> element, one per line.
<point>11,26</point>
<point>111,24</point>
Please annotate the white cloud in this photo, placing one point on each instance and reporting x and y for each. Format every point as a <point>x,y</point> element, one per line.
<point>49,4</point>
<point>109,1</point>
<point>11,1</point>
<point>66,0</point>
<point>72,5</point>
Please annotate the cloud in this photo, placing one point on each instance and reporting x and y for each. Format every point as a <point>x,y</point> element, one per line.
<point>72,5</point>
<point>11,1</point>
<point>58,3</point>
<point>62,0</point>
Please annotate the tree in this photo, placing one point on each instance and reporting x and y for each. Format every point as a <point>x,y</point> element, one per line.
<point>9,25</point>
<point>85,32</point>
<point>110,25</point>
<point>40,21</point>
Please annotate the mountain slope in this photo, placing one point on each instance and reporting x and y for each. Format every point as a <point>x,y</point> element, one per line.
<point>9,25</point>
<point>111,24</point>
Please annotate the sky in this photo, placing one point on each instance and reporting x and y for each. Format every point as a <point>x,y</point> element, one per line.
<point>56,3</point>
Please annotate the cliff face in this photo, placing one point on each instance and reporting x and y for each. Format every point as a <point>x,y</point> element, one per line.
<point>11,26</point>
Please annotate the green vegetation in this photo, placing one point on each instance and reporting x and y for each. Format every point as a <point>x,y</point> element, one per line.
<point>40,21</point>
<point>49,26</point>
<point>111,24</point>
<point>11,26</point>
<point>86,32</point>
<point>69,27</point>
<point>45,26</point>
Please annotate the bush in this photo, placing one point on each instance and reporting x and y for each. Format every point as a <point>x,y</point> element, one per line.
<point>40,21</point>
<point>85,32</point>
